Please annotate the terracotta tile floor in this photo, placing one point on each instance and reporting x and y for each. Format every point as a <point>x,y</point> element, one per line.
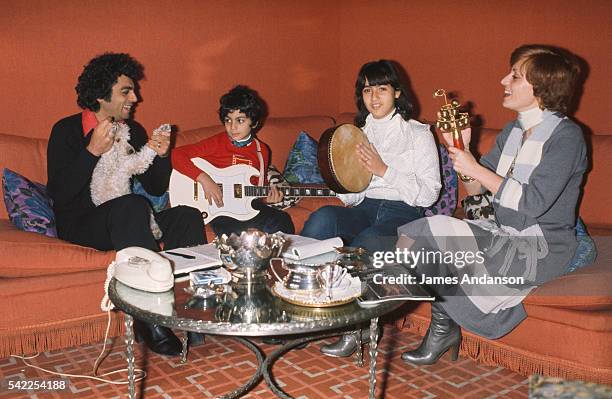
<point>222,364</point>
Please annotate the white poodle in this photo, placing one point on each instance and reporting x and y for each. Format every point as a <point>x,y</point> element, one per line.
<point>111,176</point>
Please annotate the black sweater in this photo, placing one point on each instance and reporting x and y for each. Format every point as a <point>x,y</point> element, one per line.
<point>70,166</point>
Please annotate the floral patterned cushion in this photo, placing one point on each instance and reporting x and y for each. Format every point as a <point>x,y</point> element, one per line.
<point>447,202</point>
<point>28,205</point>
<point>586,252</point>
<point>302,166</point>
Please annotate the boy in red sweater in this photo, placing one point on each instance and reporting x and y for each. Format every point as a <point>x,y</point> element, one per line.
<point>241,111</point>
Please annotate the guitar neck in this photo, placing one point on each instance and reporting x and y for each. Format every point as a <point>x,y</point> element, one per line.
<point>263,191</point>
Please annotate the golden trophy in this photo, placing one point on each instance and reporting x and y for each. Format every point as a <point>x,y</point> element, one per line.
<point>450,120</point>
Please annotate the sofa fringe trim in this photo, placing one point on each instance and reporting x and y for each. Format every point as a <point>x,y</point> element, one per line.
<point>48,337</point>
<point>492,354</point>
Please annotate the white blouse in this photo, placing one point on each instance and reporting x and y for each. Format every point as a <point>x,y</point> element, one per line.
<point>410,152</point>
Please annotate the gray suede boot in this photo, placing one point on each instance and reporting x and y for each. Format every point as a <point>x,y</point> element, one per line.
<point>442,335</point>
<point>346,345</point>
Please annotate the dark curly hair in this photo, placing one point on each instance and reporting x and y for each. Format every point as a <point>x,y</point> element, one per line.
<point>377,73</point>
<point>553,72</point>
<point>100,74</point>
<point>242,99</point>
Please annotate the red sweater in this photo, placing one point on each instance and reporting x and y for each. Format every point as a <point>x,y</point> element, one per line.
<point>220,152</point>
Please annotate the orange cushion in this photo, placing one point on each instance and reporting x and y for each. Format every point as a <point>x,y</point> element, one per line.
<point>48,299</point>
<point>588,288</point>
<point>25,254</point>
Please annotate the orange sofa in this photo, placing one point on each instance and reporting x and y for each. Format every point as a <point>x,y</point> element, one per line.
<point>568,330</point>
<point>50,290</point>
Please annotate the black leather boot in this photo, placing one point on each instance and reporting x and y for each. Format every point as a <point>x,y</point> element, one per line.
<point>196,339</point>
<point>346,345</point>
<point>282,340</point>
<point>442,335</point>
<point>157,338</point>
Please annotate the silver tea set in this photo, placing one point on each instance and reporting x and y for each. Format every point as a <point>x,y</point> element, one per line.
<point>248,255</point>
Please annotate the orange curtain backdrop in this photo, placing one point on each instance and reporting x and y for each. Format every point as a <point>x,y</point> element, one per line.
<point>301,56</point>
<point>465,46</point>
<point>193,52</point>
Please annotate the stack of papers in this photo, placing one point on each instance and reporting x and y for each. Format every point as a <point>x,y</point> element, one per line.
<point>300,248</point>
<point>185,260</point>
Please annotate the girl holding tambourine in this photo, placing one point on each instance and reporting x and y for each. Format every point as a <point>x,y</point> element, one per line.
<point>402,156</point>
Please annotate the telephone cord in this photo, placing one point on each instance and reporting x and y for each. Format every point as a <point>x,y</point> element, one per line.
<point>106,306</point>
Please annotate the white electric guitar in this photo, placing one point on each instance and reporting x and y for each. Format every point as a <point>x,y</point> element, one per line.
<point>236,188</point>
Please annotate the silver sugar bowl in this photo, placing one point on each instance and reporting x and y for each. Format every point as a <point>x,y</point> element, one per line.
<point>248,255</point>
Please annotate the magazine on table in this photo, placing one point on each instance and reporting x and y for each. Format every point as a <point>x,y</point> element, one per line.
<point>402,288</point>
<point>185,260</point>
<point>299,248</point>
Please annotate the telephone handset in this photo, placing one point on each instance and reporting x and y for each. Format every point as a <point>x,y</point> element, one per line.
<point>143,269</point>
<point>139,268</point>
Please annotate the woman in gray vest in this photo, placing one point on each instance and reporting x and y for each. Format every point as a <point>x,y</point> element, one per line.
<point>535,172</point>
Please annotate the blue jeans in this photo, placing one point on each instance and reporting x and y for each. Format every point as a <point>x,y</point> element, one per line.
<point>372,224</point>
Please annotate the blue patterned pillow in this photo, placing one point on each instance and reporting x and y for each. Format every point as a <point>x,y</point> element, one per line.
<point>302,166</point>
<point>27,204</point>
<point>158,203</point>
<point>586,252</point>
<point>447,203</point>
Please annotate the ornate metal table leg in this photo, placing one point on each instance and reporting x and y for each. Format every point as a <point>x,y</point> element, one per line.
<point>373,354</point>
<point>185,341</point>
<point>129,341</point>
<point>278,353</point>
<point>359,354</point>
<point>255,378</point>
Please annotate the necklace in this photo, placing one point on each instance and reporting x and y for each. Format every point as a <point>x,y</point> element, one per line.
<point>526,134</point>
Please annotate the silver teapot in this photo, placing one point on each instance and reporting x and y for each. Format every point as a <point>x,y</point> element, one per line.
<point>313,278</point>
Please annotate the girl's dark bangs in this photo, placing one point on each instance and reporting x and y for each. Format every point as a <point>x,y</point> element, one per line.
<point>377,76</point>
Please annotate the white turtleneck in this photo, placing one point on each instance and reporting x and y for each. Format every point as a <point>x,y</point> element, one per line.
<point>410,152</point>
<point>530,118</point>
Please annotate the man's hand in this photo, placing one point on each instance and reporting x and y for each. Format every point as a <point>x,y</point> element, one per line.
<point>371,160</point>
<point>274,196</point>
<point>212,192</point>
<point>102,138</point>
<point>160,142</point>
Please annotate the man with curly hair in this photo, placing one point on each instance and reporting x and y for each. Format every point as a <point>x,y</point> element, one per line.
<point>106,91</point>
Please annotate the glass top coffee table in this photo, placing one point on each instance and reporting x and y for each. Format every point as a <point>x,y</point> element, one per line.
<point>249,310</point>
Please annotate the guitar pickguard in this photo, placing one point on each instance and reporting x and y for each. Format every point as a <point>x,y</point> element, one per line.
<point>232,181</point>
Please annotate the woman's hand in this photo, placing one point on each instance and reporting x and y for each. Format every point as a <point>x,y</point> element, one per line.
<point>102,138</point>
<point>371,160</point>
<point>466,134</point>
<point>274,196</point>
<point>212,192</point>
<point>463,161</point>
